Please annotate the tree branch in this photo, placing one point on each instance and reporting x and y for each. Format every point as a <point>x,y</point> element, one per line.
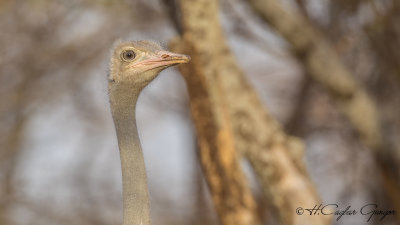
<point>222,99</point>
<point>324,66</point>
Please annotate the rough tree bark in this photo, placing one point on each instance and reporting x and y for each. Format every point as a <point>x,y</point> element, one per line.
<point>224,106</point>
<point>229,188</point>
<point>323,65</point>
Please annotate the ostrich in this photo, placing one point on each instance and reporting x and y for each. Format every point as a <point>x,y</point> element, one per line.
<point>134,65</point>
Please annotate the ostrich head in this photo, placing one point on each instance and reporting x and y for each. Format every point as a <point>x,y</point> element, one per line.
<point>139,62</point>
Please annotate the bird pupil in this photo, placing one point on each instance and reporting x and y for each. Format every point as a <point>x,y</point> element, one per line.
<point>128,55</point>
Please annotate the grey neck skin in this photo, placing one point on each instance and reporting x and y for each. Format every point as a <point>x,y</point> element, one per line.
<point>123,98</point>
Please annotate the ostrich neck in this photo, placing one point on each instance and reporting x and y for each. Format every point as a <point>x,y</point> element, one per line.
<point>123,98</point>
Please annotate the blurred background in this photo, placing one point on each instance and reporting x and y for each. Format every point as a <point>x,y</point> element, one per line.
<point>59,159</point>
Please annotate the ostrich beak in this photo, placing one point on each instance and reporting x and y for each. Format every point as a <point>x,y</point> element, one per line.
<point>163,59</point>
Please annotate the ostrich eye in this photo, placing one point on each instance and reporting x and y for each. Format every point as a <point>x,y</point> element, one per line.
<point>128,55</point>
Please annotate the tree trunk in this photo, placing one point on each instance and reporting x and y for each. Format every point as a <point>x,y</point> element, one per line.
<point>226,109</point>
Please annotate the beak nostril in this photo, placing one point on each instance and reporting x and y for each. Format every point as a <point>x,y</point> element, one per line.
<point>164,56</point>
